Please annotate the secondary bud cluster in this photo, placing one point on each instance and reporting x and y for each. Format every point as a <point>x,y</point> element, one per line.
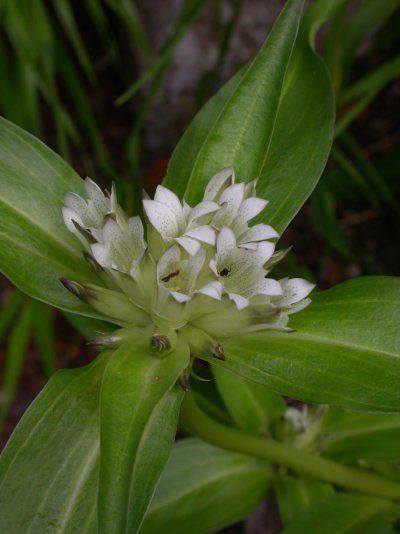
<point>201,272</point>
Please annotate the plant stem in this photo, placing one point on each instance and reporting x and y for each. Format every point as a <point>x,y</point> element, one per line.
<point>201,425</point>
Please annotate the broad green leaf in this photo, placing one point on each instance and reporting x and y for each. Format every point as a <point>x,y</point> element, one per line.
<point>252,406</point>
<point>49,468</point>
<point>346,514</point>
<point>140,403</point>
<point>273,120</point>
<point>204,488</point>
<point>344,350</point>
<point>294,494</point>
<point>348,436</point>
<point>36,248</point>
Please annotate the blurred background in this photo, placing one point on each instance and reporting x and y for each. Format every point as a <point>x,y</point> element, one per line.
<point>111,86</point>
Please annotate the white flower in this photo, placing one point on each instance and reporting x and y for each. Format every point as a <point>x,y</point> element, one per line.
<point>299,419</point>
<point>239,205</point>
<point>179,222</point>
<point>87,214</point>
<point>201,274</point>
<point>240,270</point>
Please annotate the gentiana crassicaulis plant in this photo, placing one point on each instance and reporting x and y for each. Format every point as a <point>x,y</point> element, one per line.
<point>193,279</point>
<point>201,275</point>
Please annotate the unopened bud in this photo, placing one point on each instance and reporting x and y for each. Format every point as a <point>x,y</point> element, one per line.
<point>77,289</point>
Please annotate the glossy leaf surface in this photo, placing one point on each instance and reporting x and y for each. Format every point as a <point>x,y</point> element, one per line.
<point>345,349</point>
<point>49,468</point>
<point>204,488</point>
<point>36,248</point>
<point>139,411</point>
<point>273,120</point>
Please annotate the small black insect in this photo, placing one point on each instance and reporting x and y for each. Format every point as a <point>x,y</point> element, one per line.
<point>225,272</point>
<point>169,276</point>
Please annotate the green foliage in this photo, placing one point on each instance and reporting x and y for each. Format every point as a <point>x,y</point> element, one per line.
<point>252,407</point>
<point>36,246</point>
<point>94,444</point>
<point>139,407</point>
<point>56,448</point>
<point>343,350</point>
<point>345,514</point>
<point>241,128</point>
<point>295,494</point>
<point>203,489</point>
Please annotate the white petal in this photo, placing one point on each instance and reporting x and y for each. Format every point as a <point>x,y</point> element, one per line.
<point>226,243</point>
<point>96,195</point>
<point>192,246</point>
<point>204,208</point>
<point>264,251</point>
<point>268,286</point>
<point>135,225</point>
<point>179,297</point>
<point>213,266</point>
<point>251,207</point>
<point>161,218</point>
<point>249,246</point>
<point>111,231</point>
<point>75,202</point>
<point>213,289</point>
<point>259,232</point>
<point>70,215</point>
<point>218,183</point>
<point>294,290</point>
<point>167,197</point>
<point>298,306</point>
<point>186,209</point>
<point>241,302</point>
<point>204,233</point>
<point>169,262</point>
<point>101,254</point>
<point>233,196</point>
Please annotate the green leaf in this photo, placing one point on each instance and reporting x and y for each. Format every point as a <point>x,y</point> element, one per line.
<point>273,120</point>
<point>294,494</point>
<point>49,468</point>
<point>349,436</point>
<point>345,514</point>
<point>139,411</point>
<point>36,247</point>
<point>344,350</point>
<point>253,407</point>
<point>204,488</point>
<point>15,354</point>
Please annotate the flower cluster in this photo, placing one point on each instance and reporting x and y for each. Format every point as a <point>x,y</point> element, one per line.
<point>201,267</point>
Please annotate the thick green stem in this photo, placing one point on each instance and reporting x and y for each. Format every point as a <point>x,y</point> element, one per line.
<point>199,424</point>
